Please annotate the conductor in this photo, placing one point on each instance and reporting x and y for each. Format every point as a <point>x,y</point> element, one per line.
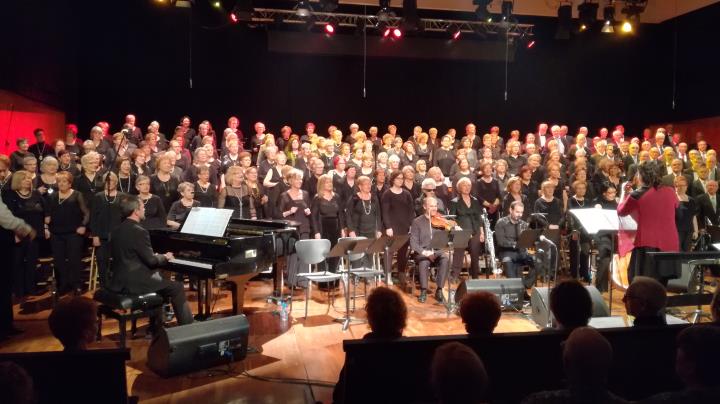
<point>134,262</point>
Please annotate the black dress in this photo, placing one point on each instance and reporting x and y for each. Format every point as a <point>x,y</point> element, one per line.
<point>127,184</point>
<point>684,214</point>
<point>398,214</point>
<point>105,215</point>
<point>167,191</point>
<point>155,214</point>
<point>179,212</point>
<point>488,192</point>
<point>207,196</point>
<point>328,219</point>
<point>284,204</point>
<point>551,209</point>
<point>240,201</point>
<point>580,248</point>
<point>66,216</point>
<point>444,159</point>
<point>89,187</point>
<point>25,256</point>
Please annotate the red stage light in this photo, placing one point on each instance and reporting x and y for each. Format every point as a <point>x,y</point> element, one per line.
<point>233,17</point>
<point>397,33</point>
<point>530,44</point>
<point>456,35</point>
<point>387,32</point>
<point>329,29</point>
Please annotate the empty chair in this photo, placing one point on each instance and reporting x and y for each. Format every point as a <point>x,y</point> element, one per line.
<point>312,252</point>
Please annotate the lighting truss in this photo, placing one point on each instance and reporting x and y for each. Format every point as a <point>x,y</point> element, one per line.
<point>269,16</point>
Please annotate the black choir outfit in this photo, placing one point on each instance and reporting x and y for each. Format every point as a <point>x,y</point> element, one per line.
<point>580,248</point>
<point>398,214</point>
<point>31,209</point>
<point>167,191</point>
<point>328,219</point>
<point>684,215</point>
<point>66,216</point>
<point>105,215</point>
<point>206,195</point>
<point>155,214</point>
<point>304,227</point>
<point>179,212</point>
<point>468,217</point>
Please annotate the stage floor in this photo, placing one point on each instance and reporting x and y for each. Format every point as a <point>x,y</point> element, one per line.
<point>298,350</point>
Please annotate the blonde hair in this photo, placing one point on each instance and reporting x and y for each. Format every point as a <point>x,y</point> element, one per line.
<point>232,171</point>
<point>88,157</point>
<point>184,186</point>
<point>324,179</point>
<point>17,179</point>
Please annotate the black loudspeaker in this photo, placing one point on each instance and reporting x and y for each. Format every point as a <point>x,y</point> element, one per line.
<point>509,291</point>
<point>199,345</point>
<point>540,302</point>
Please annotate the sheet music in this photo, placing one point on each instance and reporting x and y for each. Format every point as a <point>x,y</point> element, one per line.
<point>597,220</point>
<point>210,222</point>
<point>716,245</point>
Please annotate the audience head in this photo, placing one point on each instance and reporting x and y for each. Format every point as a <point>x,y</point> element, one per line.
<point>16,384</point>
<point>587,358</point>
<point>386,313</point>
<point>645,297</point>
<point>698,355</point>
<point>480,312</point>
<point>74,322</point>
<point>458,374</point>
<point>571,304</point>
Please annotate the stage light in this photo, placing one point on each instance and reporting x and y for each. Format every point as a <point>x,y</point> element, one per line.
<point>482,11</point>
<point>387,32</point>
<point>329,28</point>
<point>397,33</point>
<point>454,32</point>
<point>530,44</point>
<point>507,9</point>
<point>303,8</point>
<point>385,13</point>
<point>217,4</point>
<point>411,22</point>
<point>609,17</point>
<point>242,11</point>
<point>587,14</point>
<point>564,21</point>
<point>626,27</point>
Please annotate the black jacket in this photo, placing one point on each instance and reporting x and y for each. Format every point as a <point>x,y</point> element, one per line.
<point>133,260</point>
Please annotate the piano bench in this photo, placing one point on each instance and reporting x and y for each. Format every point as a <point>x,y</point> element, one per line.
<point>123,307</point>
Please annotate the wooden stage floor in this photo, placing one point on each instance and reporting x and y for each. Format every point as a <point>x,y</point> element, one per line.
<point>298,350</point>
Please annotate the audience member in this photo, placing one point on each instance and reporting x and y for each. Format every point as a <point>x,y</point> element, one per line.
<point>74,322</point>
<point>696,363</point>
<point>16,384</point>
<point>570,304</point>
<point>645,300</point>
<point>458,375</point>
<point>480,312</point>
<point>587,358</point>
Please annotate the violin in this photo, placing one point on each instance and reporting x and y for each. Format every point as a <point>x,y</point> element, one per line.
<point>439,222</point>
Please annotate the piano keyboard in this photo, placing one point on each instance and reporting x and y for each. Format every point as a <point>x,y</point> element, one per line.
<point>197,264</point>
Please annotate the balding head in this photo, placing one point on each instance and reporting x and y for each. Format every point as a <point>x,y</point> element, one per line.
<point>645,297</point>
<point>587,357</point>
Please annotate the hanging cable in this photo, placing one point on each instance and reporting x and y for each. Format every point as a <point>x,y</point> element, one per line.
<point>507,57</point>
<point>364,89</point>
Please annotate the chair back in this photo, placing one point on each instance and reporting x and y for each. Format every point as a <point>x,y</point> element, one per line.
<point>312,251</point>
<point>354,257</point>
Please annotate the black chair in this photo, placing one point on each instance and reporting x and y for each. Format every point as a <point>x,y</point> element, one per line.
<point>124,307</point>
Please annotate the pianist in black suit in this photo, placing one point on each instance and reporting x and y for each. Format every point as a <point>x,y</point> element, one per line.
<point>134,262</point>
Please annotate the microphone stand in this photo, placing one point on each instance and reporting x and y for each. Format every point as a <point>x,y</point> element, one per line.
<point>554,254</point>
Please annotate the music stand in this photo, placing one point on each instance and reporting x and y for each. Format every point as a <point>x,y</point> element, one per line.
<point>393,244</point>
<point>344,248</point>
<point>362,247</point>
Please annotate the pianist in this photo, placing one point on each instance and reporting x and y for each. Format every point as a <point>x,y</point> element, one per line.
<point>134,265</point>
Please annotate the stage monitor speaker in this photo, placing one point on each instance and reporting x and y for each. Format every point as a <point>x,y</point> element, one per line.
<point>540,302</point>
<point>509,291</point>
<point>199,345</point>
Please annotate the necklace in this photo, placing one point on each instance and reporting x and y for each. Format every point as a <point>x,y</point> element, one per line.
<point>61,200</point>
<point>145,201</point>
<point>129,181</point>
<point>24,196</point>
<point>107,199</point>
<point>366,209</point>
<point>203,190</point>
<point>579,202</point>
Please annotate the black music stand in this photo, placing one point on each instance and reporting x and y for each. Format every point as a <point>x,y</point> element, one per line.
<point>393,244</point>
<point>362,247</point>
<point>343,249</point>
<point>449,241</point>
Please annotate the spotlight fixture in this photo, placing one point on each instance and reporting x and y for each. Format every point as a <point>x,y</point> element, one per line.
<point>385,13</point>
<point>530,44</point>
<point>482,11</point>
<point>329,28</point>
<point>609,17</point>
<point>626,27</point>
<point>242,11</point>
<point>217,4</point>
<point>410,21</point>
<point>507,9</point>
<point>303,9</point>
<point>396,33</point>
<point>564,21</point>
<point>587,14</point>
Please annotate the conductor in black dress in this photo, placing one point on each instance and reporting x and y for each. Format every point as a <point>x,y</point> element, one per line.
<point>134,262</point>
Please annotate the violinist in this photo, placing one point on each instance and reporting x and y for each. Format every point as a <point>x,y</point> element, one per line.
<point>421,234</point>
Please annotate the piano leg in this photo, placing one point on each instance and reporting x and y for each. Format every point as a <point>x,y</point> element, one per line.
<point>239,295</point>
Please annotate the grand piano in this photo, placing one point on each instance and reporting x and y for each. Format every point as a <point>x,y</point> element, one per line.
<point>247,248</point>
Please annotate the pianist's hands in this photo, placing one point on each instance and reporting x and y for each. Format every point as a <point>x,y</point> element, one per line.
<point>169,256</point>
